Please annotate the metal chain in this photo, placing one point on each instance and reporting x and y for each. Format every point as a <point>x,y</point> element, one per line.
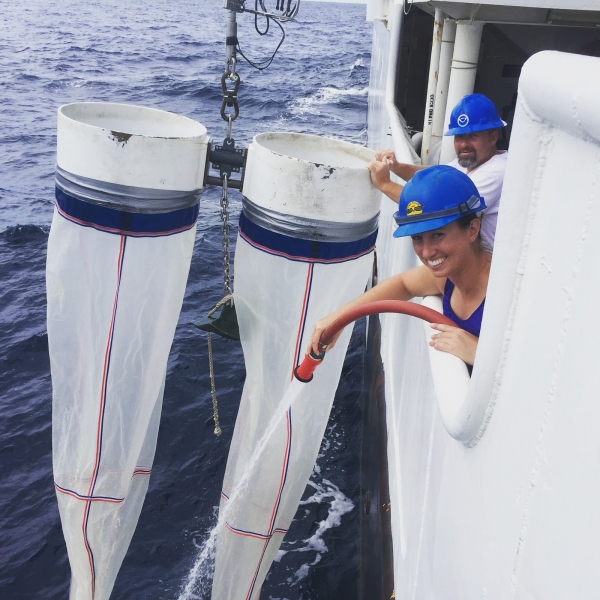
<point>229,102</point>
<point>230,98</point>
<point>225,238</point>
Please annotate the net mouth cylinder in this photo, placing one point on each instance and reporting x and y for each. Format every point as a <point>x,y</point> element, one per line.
<point>316,179</point>
<point>144,149</point>
<point>304,371</point>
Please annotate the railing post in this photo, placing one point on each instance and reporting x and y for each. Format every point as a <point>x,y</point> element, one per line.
<point>434,64</point>
<point>462,76</point>
<point>441,92</point>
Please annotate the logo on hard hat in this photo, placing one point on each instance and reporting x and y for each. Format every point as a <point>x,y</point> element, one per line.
<point>463,120</point>
<point>413,208</point>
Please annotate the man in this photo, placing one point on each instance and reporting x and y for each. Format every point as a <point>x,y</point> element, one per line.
<point>474,123</point>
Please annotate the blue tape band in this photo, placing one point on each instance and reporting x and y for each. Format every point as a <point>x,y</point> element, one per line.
<point>119,222</point>
<point>303,250</point>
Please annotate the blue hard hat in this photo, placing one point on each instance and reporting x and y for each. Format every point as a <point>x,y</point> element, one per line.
<point>473,113</point>
<point>434,197</point>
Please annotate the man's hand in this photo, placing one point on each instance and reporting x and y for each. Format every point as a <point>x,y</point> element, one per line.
<point>387,156</point>
<point>380,177</point>
<point>403,170</point>
<point>455,340</point>
<point>380,173</point>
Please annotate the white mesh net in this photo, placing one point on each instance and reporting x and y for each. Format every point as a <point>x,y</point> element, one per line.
<point>113,305</point>
<point>281,421</point>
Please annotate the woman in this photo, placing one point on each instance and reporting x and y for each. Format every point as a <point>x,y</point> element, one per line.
<point>438,209</point>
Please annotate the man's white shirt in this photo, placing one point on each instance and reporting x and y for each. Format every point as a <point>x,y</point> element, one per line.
<point>488,179</point>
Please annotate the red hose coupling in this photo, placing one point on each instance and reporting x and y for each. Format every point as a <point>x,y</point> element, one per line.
<point>304,371</point>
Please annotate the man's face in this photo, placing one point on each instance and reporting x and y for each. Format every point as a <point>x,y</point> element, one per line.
<point>473,149</point>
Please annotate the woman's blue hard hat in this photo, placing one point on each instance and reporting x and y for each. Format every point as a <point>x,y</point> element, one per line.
<point>474,112</point>
<point>434,197</point>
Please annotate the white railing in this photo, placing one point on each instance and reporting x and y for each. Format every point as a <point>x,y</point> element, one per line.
<point>450,380</point>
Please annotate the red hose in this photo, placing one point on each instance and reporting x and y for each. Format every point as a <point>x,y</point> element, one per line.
<point>304,371</point>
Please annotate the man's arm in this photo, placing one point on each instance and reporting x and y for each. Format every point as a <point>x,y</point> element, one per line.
<point>380,177</point>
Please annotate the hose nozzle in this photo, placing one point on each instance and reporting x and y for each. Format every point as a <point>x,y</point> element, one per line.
<point>304,371</point>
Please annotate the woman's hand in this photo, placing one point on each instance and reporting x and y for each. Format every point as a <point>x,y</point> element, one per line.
<point>320,327</point>
<point>455,340</point>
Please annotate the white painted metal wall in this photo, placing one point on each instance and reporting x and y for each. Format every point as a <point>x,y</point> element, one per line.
<point>386,129</point>
<point>545,4</point>
<point>509,511</point>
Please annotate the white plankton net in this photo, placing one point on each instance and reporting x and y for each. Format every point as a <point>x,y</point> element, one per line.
<point>118,260</point>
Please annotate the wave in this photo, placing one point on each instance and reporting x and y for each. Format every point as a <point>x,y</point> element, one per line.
<point>324,96</point>
<point>23,234</point>
<point>339,505</point>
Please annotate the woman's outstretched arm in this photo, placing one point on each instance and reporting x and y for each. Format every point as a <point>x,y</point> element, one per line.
<point>416,282</point>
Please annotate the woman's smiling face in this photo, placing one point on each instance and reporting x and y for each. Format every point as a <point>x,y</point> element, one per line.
<point>445,250</point>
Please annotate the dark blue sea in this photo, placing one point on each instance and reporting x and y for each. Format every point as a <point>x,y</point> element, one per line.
<point>167,55</point>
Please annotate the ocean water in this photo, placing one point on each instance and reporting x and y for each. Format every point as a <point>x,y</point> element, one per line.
<point>167,55</point>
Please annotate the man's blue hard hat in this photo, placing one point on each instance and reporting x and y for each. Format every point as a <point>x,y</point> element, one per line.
<point>473,113</point>
<point>434,197</point>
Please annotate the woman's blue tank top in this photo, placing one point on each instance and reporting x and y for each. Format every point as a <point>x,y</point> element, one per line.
<point>473,323</point>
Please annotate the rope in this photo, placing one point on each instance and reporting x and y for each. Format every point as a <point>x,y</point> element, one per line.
<point>220,303</point>
<point>213,390</point>
<point>211,368</point>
